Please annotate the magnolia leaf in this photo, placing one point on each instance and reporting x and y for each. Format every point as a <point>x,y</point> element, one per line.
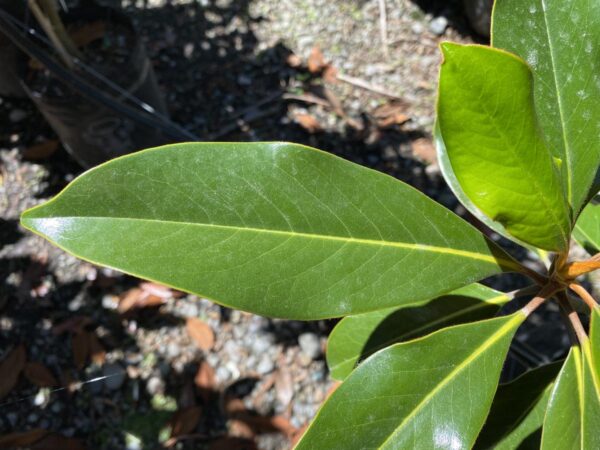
<point>587,228</point>
<point>277,229</point>
<point>406,393</point>
<point>356,337</point>
<point>486,120</point>
<point>517,413</point>
<point>573,416</point>
<point>560,40</point>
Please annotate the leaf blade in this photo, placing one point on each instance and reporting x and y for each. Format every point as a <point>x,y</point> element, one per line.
<point>559,40</point>
<point>587,228</point>
<point>356,337</point>
<point>277,229</point>
<point>403,394</point>
<point>518,410</point>
<point>487,122</point>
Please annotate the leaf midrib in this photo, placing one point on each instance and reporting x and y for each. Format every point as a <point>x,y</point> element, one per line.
<point>493,339</point>
<point>505,263</point>
<point>492,301</point>
<point>560,107</point>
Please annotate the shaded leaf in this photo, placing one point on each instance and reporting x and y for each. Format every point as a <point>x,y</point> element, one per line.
<point>406,393</point>
<point>587,228</point>
<point>39,375</point>
<point>517,413</point>
<point>22,439</point>
<point>80,346</point>
<point>573,417</point>
<point>88,33</point>
<point>74,324</point>
<point>42,150</point>
<point>357,337</point>
<point>201,333</point>
<point>561,43</point>
<point>97,352</point>
<point>54,441</point>
<point>233,443</point>
<point>10,369</point>
<point>273,228</point>
<point>487,122</point>
<point>184,421</point>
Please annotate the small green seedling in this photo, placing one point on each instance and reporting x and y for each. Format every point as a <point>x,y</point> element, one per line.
<point>287,231</point>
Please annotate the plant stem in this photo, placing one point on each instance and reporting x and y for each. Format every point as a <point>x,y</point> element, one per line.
<point>531,289</point>
<point>584,295</point>
<point>573,318</point>
<point>535,276</point>
<point>539,299</point>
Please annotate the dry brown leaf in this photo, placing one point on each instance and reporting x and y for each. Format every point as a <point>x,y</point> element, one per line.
<point>24,439</point>
<point>137,298</point>
<point>330,74</point>
<point>284,386</point>
<point>262,424</point>
<point>294,60</point>
<point>308,122</point>
<point>42,150</point>
<point>205,380</point>
<point>390,114</point>
<point>39,375</point>
<point>73,324</point>
<point>239,428</point>
<point>88,33</point>
<point>201,333</point>
<point>56,441</point>
<point>158,290</point>
<point>185,420</point>
<point>424,149</point>
<point>233,443</point>
<point>80,345</point>
<point>234,406</point>
<point>10,368</point>
<point>316,60</point>
<point>97,352</point>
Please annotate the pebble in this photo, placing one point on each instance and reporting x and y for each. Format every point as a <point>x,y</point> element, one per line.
<point>417,28</point>
<point>222,374</point>
<point>310,345</point>
<point>155,385</point>
<point>110,302</point>
<point>173,350</point>
<point>438,25</point>
<point>262,343</point>
<point>265,365</point>
<point>16,115</point>
<point>116,376</point>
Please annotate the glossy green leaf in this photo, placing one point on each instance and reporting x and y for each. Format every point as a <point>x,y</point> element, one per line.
<point>407,396</point>
<point>356,337</point>
<point>595,343</point>
<point>561,42</point>
<point>573,416</point>
<point>517,413</point>
<point>587,229</point>
<point>278,229</point>
<point>487,123</point>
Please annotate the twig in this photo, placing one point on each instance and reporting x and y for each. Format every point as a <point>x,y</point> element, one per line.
<point>535,276</point>
<point>584,295</point>
<point>383,29</point>
<point>366,86</point>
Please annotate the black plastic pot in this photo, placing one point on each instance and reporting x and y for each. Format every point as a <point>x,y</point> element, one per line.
<point>10,86</point>
<point>93,133</point>
<point>479,13</point>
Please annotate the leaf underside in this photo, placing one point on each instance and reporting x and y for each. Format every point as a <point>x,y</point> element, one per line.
<point>277,229</point>
<point>357,337</point>
<point>406,396</point>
